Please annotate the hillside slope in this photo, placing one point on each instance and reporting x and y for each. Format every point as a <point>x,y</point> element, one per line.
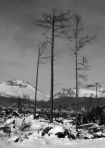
<point>18,88</point>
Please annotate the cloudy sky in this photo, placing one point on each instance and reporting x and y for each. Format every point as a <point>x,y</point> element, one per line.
<point>19,40</point>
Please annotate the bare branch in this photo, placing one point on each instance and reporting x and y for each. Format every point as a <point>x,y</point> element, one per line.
<point>56,24</point>
<point>45,57</point>
<point>42,47</point>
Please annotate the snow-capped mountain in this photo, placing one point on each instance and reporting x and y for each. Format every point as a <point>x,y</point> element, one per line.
<point>18,88</point>
<point>22,89</point>
<point>64,92</point>
<point>89,92</point>
<point>83,92</point>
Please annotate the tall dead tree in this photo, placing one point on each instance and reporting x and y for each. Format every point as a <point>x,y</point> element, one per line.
<point>41,49</point>
<point>79,40</point>
<point>56,25</point>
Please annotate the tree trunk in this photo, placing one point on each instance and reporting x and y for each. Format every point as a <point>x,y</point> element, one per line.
<point>52,69</point>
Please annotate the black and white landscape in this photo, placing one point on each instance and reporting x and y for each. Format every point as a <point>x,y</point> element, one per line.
<point>52,73</point>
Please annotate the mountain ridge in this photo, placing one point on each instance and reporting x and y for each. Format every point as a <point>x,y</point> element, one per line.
<point>19,88</point>
<point>83,92</point>
<point>24,89</point>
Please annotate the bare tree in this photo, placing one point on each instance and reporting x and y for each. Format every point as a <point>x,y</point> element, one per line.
<point>41,49</point>
<point>56,25</point>
<point>79,40</point>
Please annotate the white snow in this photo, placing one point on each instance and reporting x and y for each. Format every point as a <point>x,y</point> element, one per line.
<point>18,88</point>
<point>31,136</point>
<point>96,143</point>
<point>56,129</point>
<point>83,92</point>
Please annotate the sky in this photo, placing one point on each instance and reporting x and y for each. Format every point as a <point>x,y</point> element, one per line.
<point>19,41</point>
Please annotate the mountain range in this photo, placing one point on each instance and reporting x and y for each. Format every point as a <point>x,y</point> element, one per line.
<point>24,89</point>
<point>83,92</point>
<point>19,89</point>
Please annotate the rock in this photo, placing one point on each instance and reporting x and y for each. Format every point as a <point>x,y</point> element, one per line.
<point>60,135</point>
<point>16,114</point>
<point>46,130</point>
<point>36,116</point>
<point>56,129</point>
<point>98,134</point>
<point>19,139</point>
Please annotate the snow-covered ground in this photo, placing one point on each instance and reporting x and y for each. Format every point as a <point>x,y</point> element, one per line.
<point>25,132</point>
<point>96,143</point>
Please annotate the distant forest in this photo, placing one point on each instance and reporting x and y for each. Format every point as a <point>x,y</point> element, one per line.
<point>66,103</point>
